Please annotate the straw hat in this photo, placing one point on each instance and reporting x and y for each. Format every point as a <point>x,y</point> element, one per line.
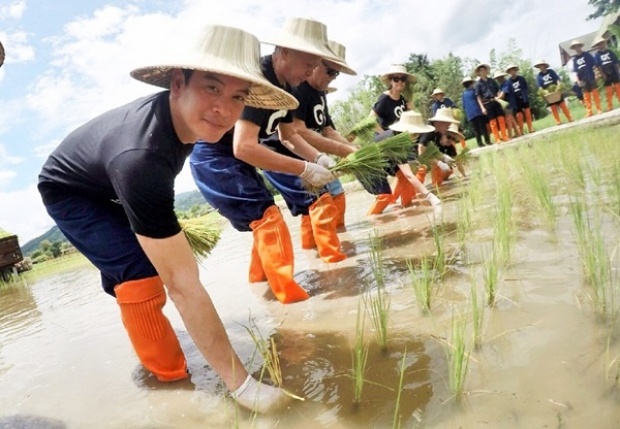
<point>541,63</point>
<point>396,69</point>
<point>437,91</point>
<point>467,79</point>
<point>331,89</point>
<point>1,54</point>
<point>576,42</point>
<point>511,66</point>
<point>499,74</point>
<point>444,115</point>
<point>340,50</point>
<point>599,39</point>
<point>453,129</point>
<point>479,66</point>
<point>304,35</point>
<point>411,122</point>
<point>228,51</point>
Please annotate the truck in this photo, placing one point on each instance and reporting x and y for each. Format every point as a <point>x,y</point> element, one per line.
<point>10,256</point>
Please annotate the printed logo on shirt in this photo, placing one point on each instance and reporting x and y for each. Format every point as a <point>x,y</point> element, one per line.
<point>319,113</point>
<point>581,62</point>
<point>547,80</point>
<point>116,201</point>
<point>398,110</point>
<point>516,86</point>
<point>274,120</point>
<point>606,58</point>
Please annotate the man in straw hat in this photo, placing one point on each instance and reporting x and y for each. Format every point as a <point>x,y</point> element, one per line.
<point>440,101</point>
<point>109,186</point>
<point>517,94</point>
<point>548,79</point>
<point>583,66</point>
<point>486,93</point>
<point>440,169</point>
<point>315,125</point>
<point>226,172</point>
<point>607,63</point>
<point>473,112</point>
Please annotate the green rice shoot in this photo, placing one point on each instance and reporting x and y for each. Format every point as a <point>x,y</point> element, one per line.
<point>202,236</point>
<point>422,281</point>
<point>378,303</point>
<point>396,419</point>
<point>360,357</point>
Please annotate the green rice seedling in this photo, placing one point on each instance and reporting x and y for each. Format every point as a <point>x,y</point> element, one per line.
<point>396,149</point>
<point>491,275</point>
<point>503,225</point>
<point>431,154</point>
<point>538,184</point>
<point>463,157</point>
<point>396,419</point>
<point>360,357</point>
<point>614,188</point>
<point>375,253</point>
<point>267,350</point>
<point>464,223</point>
<point>477,312</point>
<point>363,132</point>
<point>422,281</point>
<point>366,164</point>
<point>378,303</point>
<point>439,264</point>
<point>202,236</point>
<point>457,356</point>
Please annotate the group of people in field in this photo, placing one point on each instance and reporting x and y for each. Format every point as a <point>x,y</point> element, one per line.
<point>109,185</point>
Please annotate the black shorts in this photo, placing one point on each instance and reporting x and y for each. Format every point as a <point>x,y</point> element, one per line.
<point>611,79</point>
<point>494,109</point>
<point>588,85</point>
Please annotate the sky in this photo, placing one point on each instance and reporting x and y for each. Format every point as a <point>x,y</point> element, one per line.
<point>68,61</point>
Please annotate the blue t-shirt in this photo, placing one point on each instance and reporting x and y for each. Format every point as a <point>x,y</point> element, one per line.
<point>583,65</point>
<point>548,78</point>
<point>445,103</point>
<point>470,104</point>
<point>607,61</point>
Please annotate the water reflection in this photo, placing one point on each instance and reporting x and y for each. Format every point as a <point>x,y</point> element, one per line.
<point>30,422</point>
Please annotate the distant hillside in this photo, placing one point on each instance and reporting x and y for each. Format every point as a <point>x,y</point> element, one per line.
<point>183,202</point>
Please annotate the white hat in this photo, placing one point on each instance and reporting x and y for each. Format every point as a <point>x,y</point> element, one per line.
<point>444,115</point>
<point>540,63</point>
<point>599,39</point>
<point>331,89</point>
<point>576,42</point>
<point>485,65</point>
<point>304,35</point>
<point>228,51</point>
<point>396,69</point>
<point>411,122</point>
<point>511,66</point>
<point>340,51</point>
<point>499,73</point>
<point>454,130</point>
<point>437,91</point>
<point>467,79</point>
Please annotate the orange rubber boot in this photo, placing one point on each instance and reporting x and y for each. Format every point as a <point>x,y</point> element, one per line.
<point>617,89</point>
<point>340,202</point>
<point>609,93</point>
<point>587,100</point>
<point>556,114</point>
<point>565,110</point>
<point>307,237</point>
<point>495,130</point>
<point>275,248</point>
<point>398,186</point>
<point>439,176</point>
<point>520,123</point>
<point>597,100</point>
<point>150,332</point>
<point>323,215</point>
<point>421,174</point>
<point>502,128</point>
<point>380,203</point>
<point>528,119</point>
<point>257,274</point>
<point>404,189</point>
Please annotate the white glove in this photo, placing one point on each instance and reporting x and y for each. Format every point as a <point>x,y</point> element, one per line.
<point>432,198</point>
<point>437,208</point>
<point>317,175</point>
<point>443,166</point>
<point>448,159</point>
<point>324,161</point>
<point>260,397</point>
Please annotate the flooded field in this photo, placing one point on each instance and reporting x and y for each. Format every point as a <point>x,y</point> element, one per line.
<point>507,316</point>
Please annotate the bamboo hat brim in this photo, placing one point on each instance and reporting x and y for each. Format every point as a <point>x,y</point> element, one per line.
<point>411,122</point>
<point>540,63</point>
<point>479,66</point>
<point>499,74</point>
<point>454,130</point>
<point>576,42</point>
<point>340,51</point>
<point>228,51</point>
<point>598,40</point>
<point>444,115</point>
<point>304,35</point>
<point>437,91</point>
<point>511,66</point>
<point>1,54</point>
<point>396,69</point>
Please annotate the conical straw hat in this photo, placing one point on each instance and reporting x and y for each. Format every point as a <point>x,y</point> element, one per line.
<point>304,35</point>
<point>396,69</point>
<point>444,115</point>
<point>411,122</point>
<point>340,51</point>
<point>228,51</point>
<point>454,130</point>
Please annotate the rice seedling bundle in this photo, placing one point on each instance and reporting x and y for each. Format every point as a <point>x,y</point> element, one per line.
<point>422,281</point>
<point>458,356</point>
<point>463,157</point>
<point>431,154</point>
<point>378,303</point>
<point>267,350</point>
<point>363,132</point>
<point>360,357</point>
<point>367,164</point>
<point>202,236</point>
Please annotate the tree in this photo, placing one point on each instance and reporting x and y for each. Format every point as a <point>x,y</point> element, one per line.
<point>603,7</point>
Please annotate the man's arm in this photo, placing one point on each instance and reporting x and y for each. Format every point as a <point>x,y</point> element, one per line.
<point>174,261</point>
<point>323,143</point>
<point>295,142</point>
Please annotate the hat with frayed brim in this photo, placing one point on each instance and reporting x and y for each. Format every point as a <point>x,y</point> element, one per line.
<point>453,129</point>
<point>479,66</point>
<point>510,67</point>
<point>340,51</point>
<point>444,115</point>
<point>541,63</point>
<point>228,51</point>
<point>438,91</point>
<point>598,40</point>
<point>499,74</point>
<point>576,42</point>
<point>411,122</point>
<point>396,69</point>
<point>304,35</point>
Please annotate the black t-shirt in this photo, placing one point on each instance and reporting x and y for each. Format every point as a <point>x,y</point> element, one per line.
<point>129,155</point>
<point>389,110</point>
<point>487,89</point>
<point>435,138</point>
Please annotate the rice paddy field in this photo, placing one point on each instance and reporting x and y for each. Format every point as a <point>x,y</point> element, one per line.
<point>507,315</point>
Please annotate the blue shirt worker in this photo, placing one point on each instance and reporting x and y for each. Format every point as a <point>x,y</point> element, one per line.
<point>440,101</point>
<point>607,63</point>
<point>518,97</point>
<point>583,66</point>
<point>226,172</point>
<point>473,112</point>
<point>486,93</point>
<point>109,186</point>
<point>548,78</point>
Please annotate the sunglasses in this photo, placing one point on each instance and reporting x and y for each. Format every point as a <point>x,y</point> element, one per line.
<point>330,71</point>
<point>399,79</point>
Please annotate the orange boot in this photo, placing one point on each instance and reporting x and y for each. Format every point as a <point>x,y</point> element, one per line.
<point>421,174</point>
<point>323,214</point>
<point>341,204</point>
<point>502,128</point>
<point>617,90</point>
<point>257,274</point>
<point>307,238</point>
<point>495,130</point>
<point>403,189</point>
<point>556,114</point>
<point>528,120</point>
<point>380,203</point>
<point>587,101</point>
<point>151,334</point>
<point>565,110</point>
<point>273,244</point>
<point>609,92</point>
<point>439,176</point>
<point>597,100</point>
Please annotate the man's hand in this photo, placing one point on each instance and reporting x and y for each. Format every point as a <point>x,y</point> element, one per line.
<point>324,161</point>
<point>317,175</point>
<point>260,397</point>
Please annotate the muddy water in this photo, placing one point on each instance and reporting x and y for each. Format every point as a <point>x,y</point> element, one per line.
<point>65,361</point>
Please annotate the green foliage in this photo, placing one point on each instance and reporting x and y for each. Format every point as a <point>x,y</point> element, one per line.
<point>614,30</point>
<point>603,7</point>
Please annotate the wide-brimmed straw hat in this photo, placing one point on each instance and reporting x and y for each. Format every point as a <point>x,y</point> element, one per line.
<point>467,79</point>
<point>453,129</point>
<point>599,39</point>
<point>498,74</point>
<point>576,42</point>
<point>1,54</point>
<point>411,122</point>
<point>331,89</point>
<point>340,51</point>
<point>444,115</point>
<point>396,69</point>
<point>437,91</point>
<point>228,51</point>
<point>511,66</point>
<point>479,66</point>
<point>304,35</point>
<point>541,63</point>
